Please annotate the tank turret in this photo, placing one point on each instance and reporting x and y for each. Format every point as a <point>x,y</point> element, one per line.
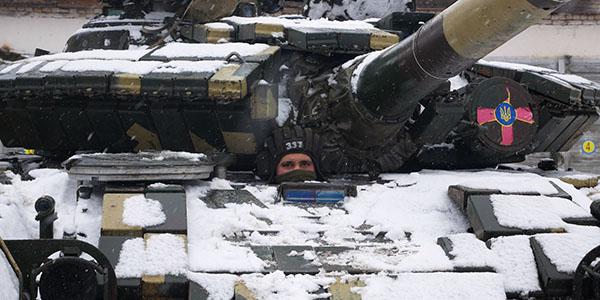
<point>383,95</point>
<point>390,85</point>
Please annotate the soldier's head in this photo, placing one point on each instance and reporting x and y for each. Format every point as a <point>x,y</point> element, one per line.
<point>295,161</point>
<point>292,154</point>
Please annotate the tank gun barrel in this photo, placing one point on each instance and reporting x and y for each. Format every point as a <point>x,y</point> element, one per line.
<point>391,85</point>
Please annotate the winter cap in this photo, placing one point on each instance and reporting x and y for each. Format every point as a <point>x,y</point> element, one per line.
<point>286,140</point>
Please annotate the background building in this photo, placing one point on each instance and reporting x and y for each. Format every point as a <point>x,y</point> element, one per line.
<point>568,41</point>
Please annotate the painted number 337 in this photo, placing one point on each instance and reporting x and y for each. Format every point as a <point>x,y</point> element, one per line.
<point>294,145</point>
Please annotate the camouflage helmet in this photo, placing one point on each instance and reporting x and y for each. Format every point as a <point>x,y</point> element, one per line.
<point>286,140</point>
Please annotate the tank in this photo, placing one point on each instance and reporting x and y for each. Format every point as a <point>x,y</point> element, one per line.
<point>148,81</point>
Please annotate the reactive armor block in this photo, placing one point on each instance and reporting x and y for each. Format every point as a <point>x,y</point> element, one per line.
<point>167,98</point>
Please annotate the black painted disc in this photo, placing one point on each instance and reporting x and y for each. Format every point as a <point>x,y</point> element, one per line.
<point>503,109</point>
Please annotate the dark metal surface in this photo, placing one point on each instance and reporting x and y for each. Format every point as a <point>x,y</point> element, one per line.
<point>144,166</point>
<point>174,206</point>
<point>448,246</point>
<point>480,213</point>
<point>218,198</point>
<point>553,282</point>
<point>409,71</point>
<point>586,281</point>
<point>31,254</point>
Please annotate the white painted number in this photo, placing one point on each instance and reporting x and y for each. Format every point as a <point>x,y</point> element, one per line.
<point>294,145</point>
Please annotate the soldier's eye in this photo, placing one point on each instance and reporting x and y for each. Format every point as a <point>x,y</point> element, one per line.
<point>305,163</point>
<point>287,164</point>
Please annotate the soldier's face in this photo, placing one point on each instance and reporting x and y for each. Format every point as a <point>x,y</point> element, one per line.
<point>295,161</point>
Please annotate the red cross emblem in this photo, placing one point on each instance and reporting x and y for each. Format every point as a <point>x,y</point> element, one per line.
<point>506,115</point>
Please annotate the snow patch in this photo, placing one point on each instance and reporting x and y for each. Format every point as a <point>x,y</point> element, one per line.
<point>161,254</point>
<point>10,68</point>
<point>218,286</point>
<point>415,203</point>
<point>518,267</point>
<point>134,31</point>
<point>581,176</point>
<point>190,66</point>
<point>220,184</point>
<point>28,67</point>
<point>117,66</point>
<point>165,254</point>
<point>534,212</point>
<point>366,60</point>
<point>285,108</point>
<point>108,55</point>
<point>159,185</point>
<point>407,258</point>
<point>514,66</point>
<point>468,251</point>
<point>217,51</point>
<point>166,154</point>
<point>53,66</point>
<point>206,228</point>
<point>17,203</point>
<point>423,208</point>
<point>132,259</point>
<point>354,9</point>
<point>143,212</point>
<point>214,254</point>
<point>301,23</point>
<point>277,285</point>
<point>309,255</point>
<point>219,25</point>
<point>265,194</point>
<point>578,196</point>
<point>566,250</point>
<point>9,283</point>
<point>512,184</point>
<point>457,82</point>
<point>572,78</point>
<point>450,286</point>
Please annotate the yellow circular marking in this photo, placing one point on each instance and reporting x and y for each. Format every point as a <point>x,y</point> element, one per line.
<point>588,147</point>
<point>30,151</point>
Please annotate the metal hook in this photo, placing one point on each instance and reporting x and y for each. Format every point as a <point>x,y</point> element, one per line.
<point>237,55</point>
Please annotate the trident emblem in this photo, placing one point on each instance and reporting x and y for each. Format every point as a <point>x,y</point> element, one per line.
<point>506,115</point>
